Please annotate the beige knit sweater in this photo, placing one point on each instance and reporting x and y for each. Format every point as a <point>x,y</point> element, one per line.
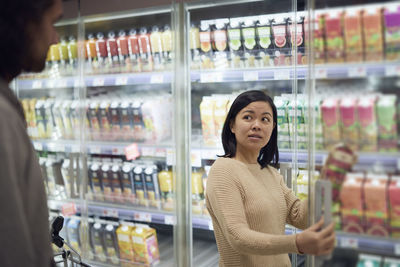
<point>249,207</point>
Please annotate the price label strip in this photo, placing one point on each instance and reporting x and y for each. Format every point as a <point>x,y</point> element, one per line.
<point>321,73</point>
<point>98,82</point>
<point>282,74</point>
<point>111,213</point>
<point>169,220</point>
<point>37,84</point>
<point>157,78</point>
<point>121,80</point>
<point>347,242</point>
<point>391,71</point>
<point>357,72</point>
<point>142,217</point>
<point>250,76</point>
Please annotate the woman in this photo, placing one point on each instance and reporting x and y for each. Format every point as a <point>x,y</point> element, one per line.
<point>247,198</point>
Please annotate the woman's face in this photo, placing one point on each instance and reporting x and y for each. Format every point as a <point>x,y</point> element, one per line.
<point>253,127</point>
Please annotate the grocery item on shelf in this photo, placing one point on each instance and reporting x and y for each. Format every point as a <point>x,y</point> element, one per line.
<point>207,121</point>
<point>394,205</point>
<point>387,122</point>
<point>250,43</point>
<point>369,260</point>
<point>206,52</point>
<point>296,33</point>
<point>391,262</point>
<point>353,32</point>
<point>264,41</point>
<point>166,181</point>
<point>107,182</point>
<point>373,29</point>
<point>145,244</point>
<point>352,204</point>
<point>335,44</point>
<point>366,112</point>
<point>197,191</point>
<point>111,243</point>
<point>112,51</point>
<point>96,181</point>
<point>281,104</point>
<point>391,15</point>
<point>302,184</point>
<point>167,47</point>
<point>73,233</point>
<point>220,44</point>
<point>349,122</point>
<point>235,43</point>
<point>331,121</point>
<point>376,206</point>
<point>125,243</point>
<point>134,52</point>
<point>97,240</point>
<point>140,186</point>
<point>282,43</point>
<point>157,48</point>
<point>128,183</point>
<point>152,186</point>
<point>194,41</point>
<point>145,50</point>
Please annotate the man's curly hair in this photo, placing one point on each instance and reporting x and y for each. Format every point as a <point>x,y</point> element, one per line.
<point>15,16</point>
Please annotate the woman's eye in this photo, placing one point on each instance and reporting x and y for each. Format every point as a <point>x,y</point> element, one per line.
<point>247,117</point>
<point>266,119</point>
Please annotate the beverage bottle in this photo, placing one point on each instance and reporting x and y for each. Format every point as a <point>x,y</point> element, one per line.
<point>123,51</point>
<point>72,52</point>
<point>55,57</point>
<point>167,46</point>
<point>220,45</point>
<point>128,184</point>
<point>91,53</point>
<point>194,39</point>
<point>63,47</point>
<point>235,44</point>
<point>116,183</point>
<point>101,49</point>
<point>137,121</point>
<point>157,48</point>
<point>206,53</point>
<point>197,191</point>
<point>145,49</point>
<point>111,244</point>
<point>152,188</point>
<point>112,51</point>
<point>140,188</point>
<point>107,182</point>
<point>281,42</point>
<point>296,32</point>
<point>165,179</point>
<point>249,44</point>
<point>264,40</point>
<point>115,118</point>
<point>97,236</point>
<point>105,120</point>
<point>133,46</point>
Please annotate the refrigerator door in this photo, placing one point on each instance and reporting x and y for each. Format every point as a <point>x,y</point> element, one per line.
<point>353,88</point>
<point>236,46</point>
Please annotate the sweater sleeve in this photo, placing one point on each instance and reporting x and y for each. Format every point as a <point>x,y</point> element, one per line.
<point>225,198</point>
<point>297,209</point>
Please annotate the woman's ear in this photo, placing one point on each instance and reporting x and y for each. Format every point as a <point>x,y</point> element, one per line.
<point>231,127</point>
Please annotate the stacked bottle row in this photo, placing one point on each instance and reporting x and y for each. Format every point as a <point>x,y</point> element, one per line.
<point>145,118</point>
<point>115,243</point>
<point>139,183</point>
<point>368,203</point>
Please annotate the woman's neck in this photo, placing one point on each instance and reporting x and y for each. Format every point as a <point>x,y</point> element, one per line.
<point>248,158</point>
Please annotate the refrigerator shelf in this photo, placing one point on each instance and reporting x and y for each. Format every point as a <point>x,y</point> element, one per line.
<point>103,148</point>
<point>333,71</point>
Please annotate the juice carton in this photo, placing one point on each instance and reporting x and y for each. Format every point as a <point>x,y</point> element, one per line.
<point>66,118</point>
<point>373,37</point>
<point>152,187</point>
<point>319,133</point>
<point>235,44</point>
<point>140,186</point>
<point>157,48</point>
<point>335,46</point>
<point>264,41</point>
<point>117,185</point>
<point>376,206</point>
<point>115,118</point>
<point>206,52</point>
<point>94,120</point>
<point>58,120</point>
<point>32,120</point>
<point>125,243</point>
<point>282,43</point>
<point>96,182</point>
<point>296,121</point>
<point>392,31</point>
<point>220,44</point>
<point>66,170</point>
<point>349,123</point>
<point>107,182</point>
<point>353,33</point>
<point>157,118</point>
<point>331,122</point>
<point>165,179</point>
<point>351,199</point>
<point>97,236</point>
<point>104,115</point>
<point>366,260</point>
<point>207,121</point>
<point>111,243</point>
<point>194,39</point>
<point>145,245</point>
<point>85,238</point>
<point>197,191</point>
<point>73,233</point>
<point>282,122</point>
<point>318,24</point>
<point>394,206</point>
<point>125,113</point>
<point>220,113</point>
<point>250,45</point>
<point>128,191</point>
<point>296,33</point>
<point>368,123</point>
<point>387,124</point>
<point>137,121</point>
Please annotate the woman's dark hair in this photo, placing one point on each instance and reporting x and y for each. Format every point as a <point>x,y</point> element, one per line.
<point>269,154</point>
<point>15,16</point>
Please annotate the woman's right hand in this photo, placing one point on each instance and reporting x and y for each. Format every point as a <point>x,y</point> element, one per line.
<point>315,241</point>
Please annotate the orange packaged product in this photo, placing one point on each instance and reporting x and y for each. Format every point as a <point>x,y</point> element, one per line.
<point>145,245</point>
<point>373,36</point>
<point>376,206</point>
<point>125,246</point>
<point>335,47</point>
<point>353,34</point>
<point>394,206</point>
<point>392,31</point>
<point>351,198</point>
